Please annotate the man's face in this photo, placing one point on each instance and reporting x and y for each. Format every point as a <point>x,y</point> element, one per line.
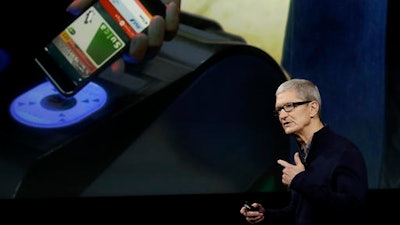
<point>297,118</point>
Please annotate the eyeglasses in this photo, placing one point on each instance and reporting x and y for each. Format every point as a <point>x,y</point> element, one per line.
<point>289,107</point>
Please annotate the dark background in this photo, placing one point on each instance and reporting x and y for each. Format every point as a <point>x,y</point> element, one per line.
<point>354,64</point>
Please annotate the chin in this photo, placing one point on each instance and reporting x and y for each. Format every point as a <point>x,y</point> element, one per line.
<point>288,131</point>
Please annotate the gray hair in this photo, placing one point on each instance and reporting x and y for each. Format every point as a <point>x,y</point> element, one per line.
<point>306,90</point>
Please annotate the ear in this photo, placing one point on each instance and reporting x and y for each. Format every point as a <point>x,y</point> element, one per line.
<point>314,108</point>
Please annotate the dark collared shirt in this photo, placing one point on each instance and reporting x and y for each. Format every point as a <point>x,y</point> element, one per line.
<point>331,190</point>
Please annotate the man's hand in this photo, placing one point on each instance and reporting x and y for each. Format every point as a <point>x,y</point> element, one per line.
<point>254,216</point>
<point>289,171</point>
<point>145,46</point>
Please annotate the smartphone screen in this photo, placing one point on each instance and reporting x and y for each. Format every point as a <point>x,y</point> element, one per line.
<point>94,40</point>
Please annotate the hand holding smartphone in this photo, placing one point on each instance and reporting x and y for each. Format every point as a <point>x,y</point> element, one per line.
<point>94,40</point>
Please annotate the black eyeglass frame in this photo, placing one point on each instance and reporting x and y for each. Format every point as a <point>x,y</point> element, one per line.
<point>290,105</point>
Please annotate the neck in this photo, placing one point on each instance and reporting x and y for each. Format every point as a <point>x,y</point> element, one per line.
<point>306,135</point>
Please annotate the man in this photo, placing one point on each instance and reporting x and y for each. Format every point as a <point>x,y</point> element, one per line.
<point>328,179</point>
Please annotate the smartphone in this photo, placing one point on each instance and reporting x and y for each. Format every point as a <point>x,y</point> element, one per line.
<point>94,40</point>
<point>249,207</point>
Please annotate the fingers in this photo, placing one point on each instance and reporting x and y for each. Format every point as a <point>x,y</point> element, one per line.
<point>283,163</point>
<point>138,46</point>
<point>160,29</point>
<point>156,31</point>
<point>254,216</point>
<point>242,210</point>
<point>144,46</point>
<point>297,159</point>
<point>286,178</point>
<point>172,19</point>
<point>251,216</point>
<point>177,2</point>
<point>78,6</point>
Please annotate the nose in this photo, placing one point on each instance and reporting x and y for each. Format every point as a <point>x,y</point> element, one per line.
<point>282,114</point>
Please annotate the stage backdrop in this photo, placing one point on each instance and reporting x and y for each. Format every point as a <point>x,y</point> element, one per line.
<point>340,45</point>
